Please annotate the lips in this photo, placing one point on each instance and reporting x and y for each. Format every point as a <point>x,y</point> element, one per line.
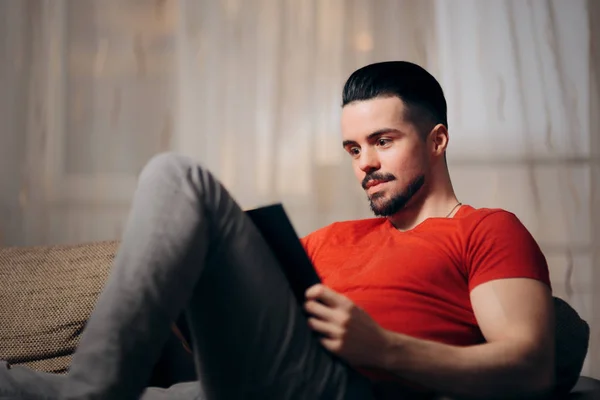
<point>372,183</point>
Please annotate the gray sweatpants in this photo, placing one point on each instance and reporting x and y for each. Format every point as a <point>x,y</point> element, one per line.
<point>188,246</point>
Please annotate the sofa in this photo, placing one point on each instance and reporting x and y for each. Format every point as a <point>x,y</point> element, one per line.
<point>47,294</point>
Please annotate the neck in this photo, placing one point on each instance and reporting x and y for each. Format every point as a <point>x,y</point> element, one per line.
<point>434,202</point>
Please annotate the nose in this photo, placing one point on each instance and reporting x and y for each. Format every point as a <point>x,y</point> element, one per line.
<point>368,161</point>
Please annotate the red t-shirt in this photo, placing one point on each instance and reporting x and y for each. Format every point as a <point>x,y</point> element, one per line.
<point>418,282</point>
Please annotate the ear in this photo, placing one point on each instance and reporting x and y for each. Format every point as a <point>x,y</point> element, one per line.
<point>438,139</point>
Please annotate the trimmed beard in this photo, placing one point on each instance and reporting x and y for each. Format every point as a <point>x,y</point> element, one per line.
<point>397,202</point>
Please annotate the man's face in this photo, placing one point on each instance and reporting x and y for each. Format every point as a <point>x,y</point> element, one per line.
<point>389,157</point>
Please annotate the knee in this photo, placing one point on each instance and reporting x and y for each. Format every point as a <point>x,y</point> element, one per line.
<point>166,165</point>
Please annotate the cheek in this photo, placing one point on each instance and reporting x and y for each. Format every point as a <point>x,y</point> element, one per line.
<point>405,160</point>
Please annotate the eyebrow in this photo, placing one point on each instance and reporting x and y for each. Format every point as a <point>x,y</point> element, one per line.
<point>373,135</point>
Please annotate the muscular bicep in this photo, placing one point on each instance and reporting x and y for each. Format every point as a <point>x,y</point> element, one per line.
<point>515,309</point>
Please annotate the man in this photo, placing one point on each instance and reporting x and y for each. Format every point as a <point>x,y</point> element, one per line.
<point>434,298</point>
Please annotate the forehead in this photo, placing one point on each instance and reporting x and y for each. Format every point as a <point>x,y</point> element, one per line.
<point>361,118</point>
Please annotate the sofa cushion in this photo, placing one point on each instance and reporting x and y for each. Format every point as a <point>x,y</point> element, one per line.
<point>585,389</point>
<point>46,296</point>
<point>572,342</point>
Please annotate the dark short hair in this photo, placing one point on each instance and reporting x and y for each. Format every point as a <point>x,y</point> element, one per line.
<point>421,93</point>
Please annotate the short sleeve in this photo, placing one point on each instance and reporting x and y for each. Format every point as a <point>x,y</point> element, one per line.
<point>313,241</point>
<point>500,247</point>
<point>310,244</point>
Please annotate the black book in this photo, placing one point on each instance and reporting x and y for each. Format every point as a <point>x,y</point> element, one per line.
<point>277,230</point>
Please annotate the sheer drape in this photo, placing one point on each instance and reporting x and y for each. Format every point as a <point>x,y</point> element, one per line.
<point>91,89</point>
<point>524,130</point>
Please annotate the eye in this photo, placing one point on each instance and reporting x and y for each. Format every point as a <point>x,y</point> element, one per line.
<point>354,151</point>
<point>383,142</point>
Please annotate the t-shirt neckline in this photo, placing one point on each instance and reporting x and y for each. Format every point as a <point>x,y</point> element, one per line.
<point>458,214</point>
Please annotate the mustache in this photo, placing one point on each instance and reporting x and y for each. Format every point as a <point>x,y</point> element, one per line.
<point>376,176</point>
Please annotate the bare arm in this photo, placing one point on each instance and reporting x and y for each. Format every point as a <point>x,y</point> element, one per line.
<point>515,316</point>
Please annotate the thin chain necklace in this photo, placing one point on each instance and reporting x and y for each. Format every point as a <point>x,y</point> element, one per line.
<point>454,208</point>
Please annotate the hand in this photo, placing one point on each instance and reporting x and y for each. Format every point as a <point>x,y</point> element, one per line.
<point>346,330</point>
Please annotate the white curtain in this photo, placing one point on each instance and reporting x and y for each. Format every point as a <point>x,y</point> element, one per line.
<point>252,88</point>
<point>519,77</point>
<point>260,93</point>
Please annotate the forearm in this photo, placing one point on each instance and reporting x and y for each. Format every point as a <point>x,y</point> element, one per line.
<point>492,370</point>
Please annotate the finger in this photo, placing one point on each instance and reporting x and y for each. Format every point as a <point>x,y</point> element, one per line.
<point>314,291</point>
<point>319,310</point>
<point>327,296</point>
<point>333,345</point>
<point>324,328</point>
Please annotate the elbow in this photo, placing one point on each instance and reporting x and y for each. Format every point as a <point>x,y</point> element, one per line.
<point>541,376</point>
<point>545,382</point>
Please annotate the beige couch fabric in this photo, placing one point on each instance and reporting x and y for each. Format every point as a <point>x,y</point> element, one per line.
<point>46,296</point>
